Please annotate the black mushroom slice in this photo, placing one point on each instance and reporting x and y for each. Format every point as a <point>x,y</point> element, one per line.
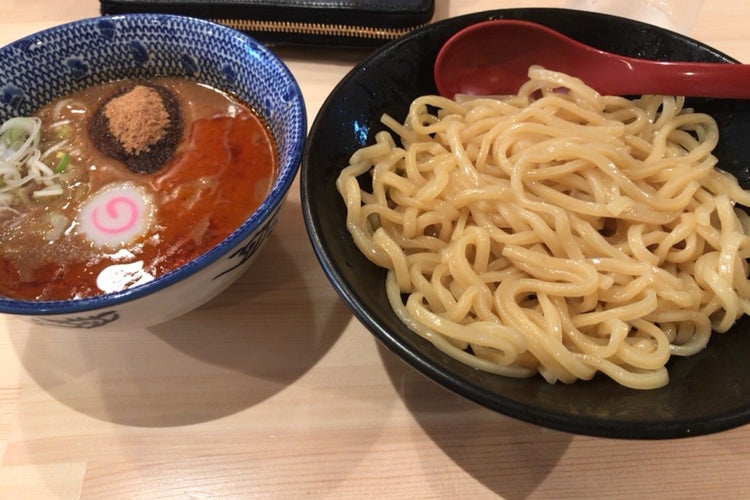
<point>140,125</point>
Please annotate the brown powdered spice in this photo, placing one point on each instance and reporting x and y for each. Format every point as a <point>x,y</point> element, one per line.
<point>137,119</point>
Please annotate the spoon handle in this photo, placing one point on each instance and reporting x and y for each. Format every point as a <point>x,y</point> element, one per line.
<point>679,78</point>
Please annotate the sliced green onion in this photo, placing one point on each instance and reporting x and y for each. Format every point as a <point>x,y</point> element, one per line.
<point>21,161</point>
<point>54,190</point>
<point>64,161</point>
<point>62,132</point>
<point>15,134</point>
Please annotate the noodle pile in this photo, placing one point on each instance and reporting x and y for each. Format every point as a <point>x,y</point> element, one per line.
<point>556,231</point>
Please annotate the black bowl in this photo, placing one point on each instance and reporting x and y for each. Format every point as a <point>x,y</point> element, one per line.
<point>707,392</point>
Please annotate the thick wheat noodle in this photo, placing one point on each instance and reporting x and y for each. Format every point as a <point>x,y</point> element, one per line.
<point>556,231</point>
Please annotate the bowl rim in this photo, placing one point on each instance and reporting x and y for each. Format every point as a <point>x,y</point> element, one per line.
<point>616,428</point>
<point>287,172</point>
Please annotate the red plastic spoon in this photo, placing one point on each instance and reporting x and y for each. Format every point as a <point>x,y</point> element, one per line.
<point>493,58</point>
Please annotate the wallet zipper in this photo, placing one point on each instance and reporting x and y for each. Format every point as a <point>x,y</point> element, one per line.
<point>318,29</point>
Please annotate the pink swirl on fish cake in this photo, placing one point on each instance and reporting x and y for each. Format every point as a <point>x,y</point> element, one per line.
<point>116,215</point>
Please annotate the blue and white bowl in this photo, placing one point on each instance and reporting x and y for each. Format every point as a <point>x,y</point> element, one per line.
<point>69,57</point>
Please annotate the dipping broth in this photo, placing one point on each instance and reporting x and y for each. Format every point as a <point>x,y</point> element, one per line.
<point>114,226</point>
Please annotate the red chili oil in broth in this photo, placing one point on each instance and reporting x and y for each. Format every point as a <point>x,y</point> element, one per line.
<point>221,172</point>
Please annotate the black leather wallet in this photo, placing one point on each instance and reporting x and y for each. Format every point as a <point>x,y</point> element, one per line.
<point>320,22</point>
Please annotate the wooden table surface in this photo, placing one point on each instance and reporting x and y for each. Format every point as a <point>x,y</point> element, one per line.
<point>274,390</point>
